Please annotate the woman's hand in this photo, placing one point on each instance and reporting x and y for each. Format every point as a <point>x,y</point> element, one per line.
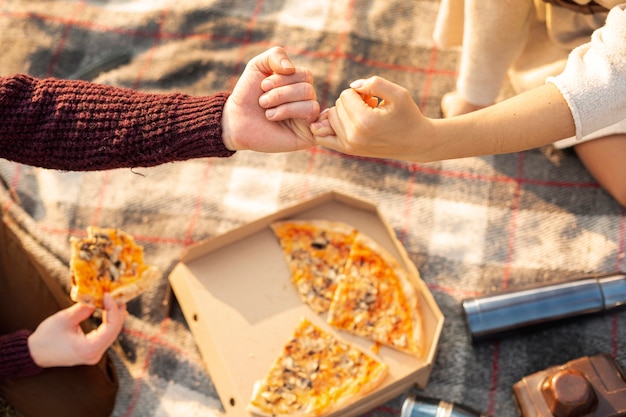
<point>60,341</point>
<point>374,118</point>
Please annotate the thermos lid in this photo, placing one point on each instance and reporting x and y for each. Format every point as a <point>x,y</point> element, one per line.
<point>417,406</point>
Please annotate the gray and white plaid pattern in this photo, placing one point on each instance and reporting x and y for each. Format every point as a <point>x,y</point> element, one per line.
<point>471,226</point>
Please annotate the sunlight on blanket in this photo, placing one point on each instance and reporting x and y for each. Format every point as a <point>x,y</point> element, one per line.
<point>252,192</point>
<point>181,401</point>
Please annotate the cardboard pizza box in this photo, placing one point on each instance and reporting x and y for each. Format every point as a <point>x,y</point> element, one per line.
<point>235,292</point>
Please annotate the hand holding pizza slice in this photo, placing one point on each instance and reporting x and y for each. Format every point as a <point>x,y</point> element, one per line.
<point>108,261</point>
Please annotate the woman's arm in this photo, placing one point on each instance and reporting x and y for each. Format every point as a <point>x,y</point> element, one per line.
<point>590,94</point>
<point>397,129</point>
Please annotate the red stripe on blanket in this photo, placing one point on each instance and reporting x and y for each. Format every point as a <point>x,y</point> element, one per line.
<point>246,41</point>
<point>66,33</point>
<point>493,387</point>
<point>336,56</point>
<point>157,41</point>
<point>515,205</point>
<point>146,365</point>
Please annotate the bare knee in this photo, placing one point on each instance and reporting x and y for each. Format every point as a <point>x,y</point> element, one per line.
<point>605,159</point>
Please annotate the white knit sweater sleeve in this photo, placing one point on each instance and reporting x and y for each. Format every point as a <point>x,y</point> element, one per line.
<point>594,80</point>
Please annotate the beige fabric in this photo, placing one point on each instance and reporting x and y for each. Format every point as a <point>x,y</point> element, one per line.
<point>552,33</point>
<point>449,25</point>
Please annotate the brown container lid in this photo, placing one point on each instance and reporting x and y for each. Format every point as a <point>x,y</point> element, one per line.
<point>589,386</point>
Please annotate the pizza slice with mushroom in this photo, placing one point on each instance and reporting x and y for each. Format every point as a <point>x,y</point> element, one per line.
<point>315,374</point>
<point>108,260</point>
<point>316,251</point>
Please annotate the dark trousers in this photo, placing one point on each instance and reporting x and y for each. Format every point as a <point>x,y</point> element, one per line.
<point>27,296</point>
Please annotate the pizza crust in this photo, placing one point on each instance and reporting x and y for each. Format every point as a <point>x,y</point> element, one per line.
<point>316,374</point>
<point>256,410</point>
<point>315,251</point>
<point>148,279</point>
<point>337,271</point>
<point>375,297</point>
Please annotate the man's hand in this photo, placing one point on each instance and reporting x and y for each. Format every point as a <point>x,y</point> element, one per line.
<point>271,106</point>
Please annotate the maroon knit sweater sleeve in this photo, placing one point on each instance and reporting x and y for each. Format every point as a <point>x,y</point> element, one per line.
<point>15,359</point>
<point>79,126</point>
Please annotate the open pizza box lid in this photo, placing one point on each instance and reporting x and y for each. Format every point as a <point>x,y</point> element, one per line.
<point>235,292</point>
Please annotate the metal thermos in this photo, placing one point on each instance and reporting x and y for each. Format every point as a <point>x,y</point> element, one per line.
<point>497,314</point>
<point>417,406</point>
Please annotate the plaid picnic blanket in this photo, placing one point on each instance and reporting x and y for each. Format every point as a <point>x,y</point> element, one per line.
<point>471,226</point>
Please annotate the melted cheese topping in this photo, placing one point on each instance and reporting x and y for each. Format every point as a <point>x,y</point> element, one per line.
<point>316,252</point>
<point>316,372</point>
<point>103,261</point>
<point>374,301</point>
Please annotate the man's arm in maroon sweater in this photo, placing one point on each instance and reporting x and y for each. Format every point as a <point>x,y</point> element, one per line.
<point>76,125</point>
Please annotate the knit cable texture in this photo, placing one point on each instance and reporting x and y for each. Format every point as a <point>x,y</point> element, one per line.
<point>77,125</point>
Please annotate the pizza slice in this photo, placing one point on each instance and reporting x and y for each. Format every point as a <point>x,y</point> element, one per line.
<point>108,260</point>
<point>375,299</point>
<point>316,251</point>
<point>315,374</point>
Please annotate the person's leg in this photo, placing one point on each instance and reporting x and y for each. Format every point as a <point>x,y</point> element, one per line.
<point>495,33</point>
<point>605,159</point>
<point>27,297</point>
